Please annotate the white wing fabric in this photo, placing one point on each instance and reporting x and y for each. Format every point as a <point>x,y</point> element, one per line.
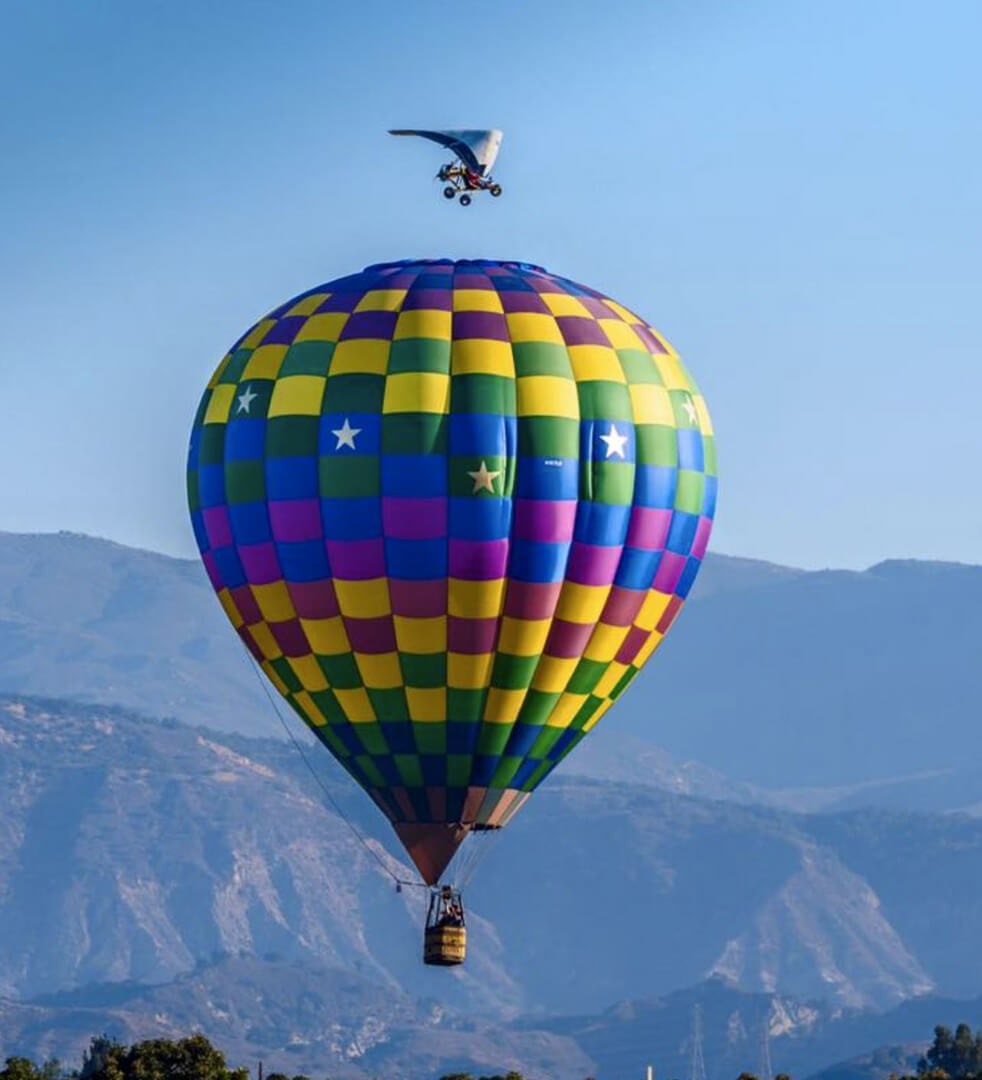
<point>476,148</point>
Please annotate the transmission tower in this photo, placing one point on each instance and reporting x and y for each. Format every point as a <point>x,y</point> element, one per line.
<point>698,1065</point>
<point>764,1070</point>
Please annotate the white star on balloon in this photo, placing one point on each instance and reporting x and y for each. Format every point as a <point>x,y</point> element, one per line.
<point>245,400</point>
<point>690,409</point>
<point>346,435</point>
<point>615,442</point>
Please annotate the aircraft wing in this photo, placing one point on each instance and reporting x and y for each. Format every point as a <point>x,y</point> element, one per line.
<point>477,148</point>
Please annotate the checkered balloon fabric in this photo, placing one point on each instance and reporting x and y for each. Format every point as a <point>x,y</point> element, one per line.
<point>451,508</point>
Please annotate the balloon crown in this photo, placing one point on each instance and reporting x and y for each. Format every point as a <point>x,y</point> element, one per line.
<point>514,264</point>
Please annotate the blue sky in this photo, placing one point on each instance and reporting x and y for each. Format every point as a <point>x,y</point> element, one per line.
<point>790,191</point>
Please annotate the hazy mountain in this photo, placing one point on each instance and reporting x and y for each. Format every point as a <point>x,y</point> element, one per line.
<point>761,1033</point>
<point>318,1020</point>
<point>809,690</point>
<point>133,849</point>
<point>823,679</point>
<point>335,1022</point>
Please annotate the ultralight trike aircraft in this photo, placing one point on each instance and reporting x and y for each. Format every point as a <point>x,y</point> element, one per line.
<point>475,150</point>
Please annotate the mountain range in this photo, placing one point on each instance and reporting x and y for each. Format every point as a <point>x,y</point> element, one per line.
<point>804,689</point>
<point>161,866</point>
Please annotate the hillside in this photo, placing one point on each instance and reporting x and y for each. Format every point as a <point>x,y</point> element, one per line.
<point>326,1020</point>
<point>133,850</point>
<point>840,689</point>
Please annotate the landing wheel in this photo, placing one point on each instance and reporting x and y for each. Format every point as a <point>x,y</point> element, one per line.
<point>495,190</point>
<point>465,200</point>
<point>449,192</point>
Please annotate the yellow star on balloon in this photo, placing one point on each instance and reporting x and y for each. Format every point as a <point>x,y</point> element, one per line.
<point>484,479</point>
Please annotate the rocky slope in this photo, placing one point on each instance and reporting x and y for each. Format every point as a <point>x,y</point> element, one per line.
<point>134,849</point>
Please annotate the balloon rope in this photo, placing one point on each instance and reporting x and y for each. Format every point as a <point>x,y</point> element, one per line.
<point>320,783</point>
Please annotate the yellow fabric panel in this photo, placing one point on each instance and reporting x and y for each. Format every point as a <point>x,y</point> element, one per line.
<point>469,671</point>
<point>565,709</point>
<point>379,671</point>
<point>356,705</point>
<point>651,404</point>
<point>257,333</point>
<point>705,421</point>
<point>626,315</point>
<point>219,371</point>
<point>652,610</point>
<point>308,671</point>
<point>417,392</point>
<point>421,635</point>
<point>534,326</point>
<point>604,642</point>
<point>363,599</point>
<point>360,356</point>
<point>264,639</point>
<point>220,403</point>
<point>270,673</point>
<point>592,362</point>
<point>308,305</point>
<point>503,706</point>
<point>609,679</point>
<point>274,601</point>
<point>475,599</point>
<point>306,702</point>
<point>523,637</point>
<point>265,363</point>
<point>324,327</point>
<point>429,705</point>
<point>423,323</point>
<point>382,300</point>
<point>228,604</point>
<point>671,372</point>
<point>476,300</point>
<point>592,722</point>
<point>327,637</point>
<point>620,335</point>
<point>548,395</point>
<point>648,648</point>
<point>564,304</point>
<point>581,603</point>
<point>553,673</point>
<point>297,395</point>
<point>480,356</point>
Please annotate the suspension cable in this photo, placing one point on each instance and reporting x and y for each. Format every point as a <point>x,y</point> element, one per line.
<point>355,831</point>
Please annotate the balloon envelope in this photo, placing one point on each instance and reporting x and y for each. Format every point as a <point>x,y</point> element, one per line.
<point>451,508</point>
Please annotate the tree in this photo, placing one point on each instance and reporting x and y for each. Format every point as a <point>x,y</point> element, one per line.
<point>19,1068</point>
<point>95,1058</point>
<point>193,1058</point>
<point>957,1056</point>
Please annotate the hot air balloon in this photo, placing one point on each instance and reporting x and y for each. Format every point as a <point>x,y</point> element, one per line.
<point>451,508</point>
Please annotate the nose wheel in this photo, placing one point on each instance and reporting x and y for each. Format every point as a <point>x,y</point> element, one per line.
<point>465,200</point>
<point>449,192</point>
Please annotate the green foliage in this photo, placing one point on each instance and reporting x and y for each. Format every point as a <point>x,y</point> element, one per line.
<point>19,1068</point>
<point>193,1058</point>
<point>468,1076</point>
<point>958,1056</point>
